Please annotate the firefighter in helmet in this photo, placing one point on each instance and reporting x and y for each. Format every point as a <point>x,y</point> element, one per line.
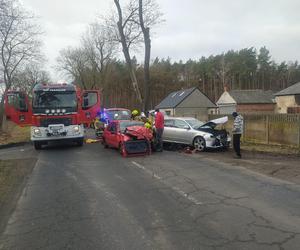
<point>135,115</point>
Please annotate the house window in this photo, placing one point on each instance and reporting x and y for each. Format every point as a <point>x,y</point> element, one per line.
<point>168,112</point>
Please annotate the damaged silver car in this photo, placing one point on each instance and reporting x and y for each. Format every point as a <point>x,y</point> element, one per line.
<point>200,135</point>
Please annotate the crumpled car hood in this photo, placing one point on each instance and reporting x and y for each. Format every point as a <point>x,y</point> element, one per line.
<point>139,133</point>
<point>215,122</point>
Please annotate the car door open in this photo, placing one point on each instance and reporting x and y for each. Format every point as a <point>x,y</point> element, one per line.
<point>90,103</point>
<point>17,108</point>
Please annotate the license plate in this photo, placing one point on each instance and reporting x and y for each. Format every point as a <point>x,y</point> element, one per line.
<point>56,128</point>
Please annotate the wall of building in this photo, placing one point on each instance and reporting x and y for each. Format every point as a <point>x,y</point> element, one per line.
<point>256,108</point>
<point>227,109</point>
<point>199,113</point>
<point>170,112</point>
<point>225,99</point>
<point>283,102</point>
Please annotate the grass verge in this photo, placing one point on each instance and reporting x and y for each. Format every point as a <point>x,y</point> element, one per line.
<point>13,174</point>
<point>14,134</point>
<point>272,149</point>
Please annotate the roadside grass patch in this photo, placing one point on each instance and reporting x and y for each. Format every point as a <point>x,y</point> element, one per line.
<point>12,177</point>
<point>14,134</point>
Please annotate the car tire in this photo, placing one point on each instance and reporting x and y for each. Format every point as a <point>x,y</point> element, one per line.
<point>37,145</point>
<point>199,144</point>
<point>122,150</point>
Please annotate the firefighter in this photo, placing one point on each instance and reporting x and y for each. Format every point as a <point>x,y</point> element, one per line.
<point>135,115</point>
<point>148,125</point>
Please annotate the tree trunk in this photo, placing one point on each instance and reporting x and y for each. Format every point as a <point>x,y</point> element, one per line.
<point>127,55</point>
<point>2,112</point>
<point>147,41</point>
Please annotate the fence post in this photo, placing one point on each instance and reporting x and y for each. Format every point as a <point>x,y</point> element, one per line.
<point>267,129</point>
<point>298,132</point>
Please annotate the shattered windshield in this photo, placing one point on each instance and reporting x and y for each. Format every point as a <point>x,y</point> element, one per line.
<point>124,125</point>
<point>45,99</point>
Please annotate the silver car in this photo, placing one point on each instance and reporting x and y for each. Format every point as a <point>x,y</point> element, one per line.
<point>190,131</point>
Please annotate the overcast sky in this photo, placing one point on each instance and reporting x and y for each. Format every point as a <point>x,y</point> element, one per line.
<point>193,28</point>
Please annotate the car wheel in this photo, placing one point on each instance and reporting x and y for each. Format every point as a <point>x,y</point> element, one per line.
<point>37,145</point>
<point>122,150</point>
<point>199,144</point>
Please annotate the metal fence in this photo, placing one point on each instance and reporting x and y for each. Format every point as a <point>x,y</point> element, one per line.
<point>271,129</point>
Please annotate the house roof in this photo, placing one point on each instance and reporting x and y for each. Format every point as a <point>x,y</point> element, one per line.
<point>252,96</point>
<point>175,98</point>
<point>291,90</point>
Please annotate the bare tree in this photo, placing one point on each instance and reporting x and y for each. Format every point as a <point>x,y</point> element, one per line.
<point>19,41</point>
<point>100,49</point>
<point>133,24</point>
<point>147,41</point>
<point>74,61</point>
<point>128,34</point>
<point>87,65</point>
<point>26,78</point>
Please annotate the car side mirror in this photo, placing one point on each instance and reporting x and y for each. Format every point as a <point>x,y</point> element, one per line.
<point>186,127</point>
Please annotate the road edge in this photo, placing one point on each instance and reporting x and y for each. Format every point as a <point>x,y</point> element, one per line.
<point>15,144</point>
<point>8,208</point>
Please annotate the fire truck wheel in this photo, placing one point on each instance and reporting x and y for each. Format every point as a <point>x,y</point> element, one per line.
<point>79,142</point>
<point>37,145</point>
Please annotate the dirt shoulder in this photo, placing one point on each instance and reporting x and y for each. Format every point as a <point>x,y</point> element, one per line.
<point>282,166</point>
<point>13,175</point>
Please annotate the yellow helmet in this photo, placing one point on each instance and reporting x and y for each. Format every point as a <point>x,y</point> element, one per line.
<point>147,125</point>
<point>135,112</point>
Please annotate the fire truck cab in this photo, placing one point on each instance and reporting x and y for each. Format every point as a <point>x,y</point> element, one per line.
<point>57,112</point>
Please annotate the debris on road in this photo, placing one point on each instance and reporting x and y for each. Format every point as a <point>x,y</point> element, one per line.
<point>92,140</point>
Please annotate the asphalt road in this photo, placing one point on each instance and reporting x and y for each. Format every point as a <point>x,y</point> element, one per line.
<point>92,198</point>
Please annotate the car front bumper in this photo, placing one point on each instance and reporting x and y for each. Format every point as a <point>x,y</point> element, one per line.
<point>57,132</point>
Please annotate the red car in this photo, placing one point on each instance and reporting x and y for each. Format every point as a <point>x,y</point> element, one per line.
<point>130,137</point>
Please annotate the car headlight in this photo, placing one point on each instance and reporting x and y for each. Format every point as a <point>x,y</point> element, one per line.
<point>37,131</point>
<point>76,129</point>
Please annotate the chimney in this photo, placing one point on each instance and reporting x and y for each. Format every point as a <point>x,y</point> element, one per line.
<point>226,88</point>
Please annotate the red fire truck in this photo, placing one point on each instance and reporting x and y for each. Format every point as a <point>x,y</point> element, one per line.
<point>57,112</point>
